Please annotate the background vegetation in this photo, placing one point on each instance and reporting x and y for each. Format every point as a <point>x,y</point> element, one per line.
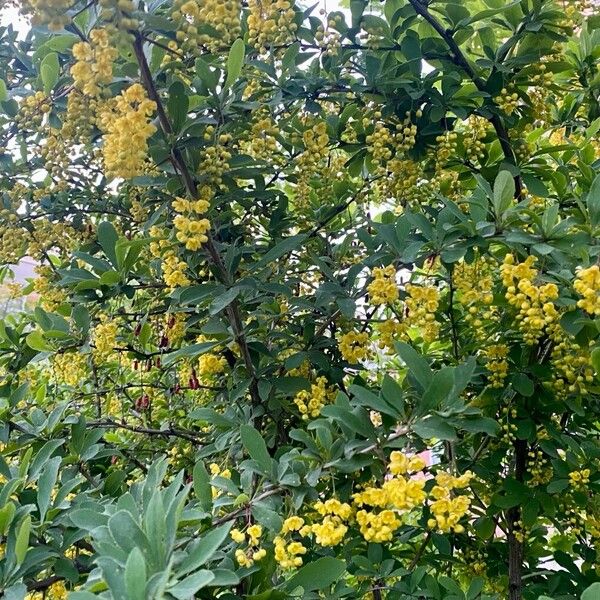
<point>317,300</point>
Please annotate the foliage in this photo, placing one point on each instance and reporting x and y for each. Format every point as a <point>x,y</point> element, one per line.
<point>317,300</point>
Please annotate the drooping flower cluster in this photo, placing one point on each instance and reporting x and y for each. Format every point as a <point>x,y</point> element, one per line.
<point>310,402</point>
<point>381,507</point>
<point>587,285</point>
<point>105,338</point>
<point>495,355</point>
<point>127,128</point>
<point>421,304</point>
<point>383,289</point>
<point>253,552</point>
<point>448,509</point>
<point>354,346</point>
<point>94,66</point>
<point>288,552</point>
<point>191,230</point>
<point>270,23</point>
<point>534,303</point>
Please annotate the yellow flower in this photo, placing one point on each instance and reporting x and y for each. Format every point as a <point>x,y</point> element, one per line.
<point>383,289</point>
<point>354,346</point>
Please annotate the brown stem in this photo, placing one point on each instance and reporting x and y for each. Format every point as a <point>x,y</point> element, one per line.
<point>460,60</point>
<point>515,546</point>
<point>233,310</point>
<point>419,553</point>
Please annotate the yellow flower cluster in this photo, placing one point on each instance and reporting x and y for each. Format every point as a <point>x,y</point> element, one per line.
<point>191,230</point>
<point>447,510</point>
<point>127,127</point>
<point>316,148</point>
<point>210,365</point>
<point>390,330</point>
<point>579,479</point>
<point>57,591</point>
<point>380,143</point>
<point>173,268</point>
<point>214,161</point>
<point>539,468</point>
<point>192,17</point>
<point>270,23</point>
<point>53,13</point>
<point>475,132</point>
<point>262,142</point>
<point>316,140</point>
<point>175,327</point>
<point>51,296</point>
<point>446,147</point>
<point>389,140</point>
<point>104,338</point>
<point>383,289</point>
<point>253,552</point>
<point>174,271</point>
<point>31,111</point>
<point>398,495</point>
<point>310,402</point>
<point>536,311</point>
<point>94,66</point>
<point>572,369</point>
<point>507,101</point>
<point>217,471</point>
<point>497,364</point>
<point>587,285</point>
<point>332,528</point>
<point>70,367</point>
<point>421,304</point>
<point>354,346</point>
<point>474,284</point>
<point>288,552</point>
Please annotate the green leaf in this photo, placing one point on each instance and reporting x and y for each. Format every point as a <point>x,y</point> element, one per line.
<point>504,192</point>
<point>440,388</point>
<point>591,593</point>
<point>46,485</point>
<point>7,514</point>
<point>205,549</point>
<point>256,448</point>
<point>192,350</point>
<point>522,384</point>
<point>135,575</point>
<point>235,60</point>
<point>36,341</point>
<point>434,427</point>
<point>107,238</point>
<point>283,247</point>
<point>224,300</point>
<point>317,575</point>
<point>3,91</point>
<point>593,202</point>
<point>417,365</point>
<point>190,585</point>
<point>22,540</point>
<point>451,586</point>
<point>49,71</point>
<point>370,400</point>
<point>202,487</point>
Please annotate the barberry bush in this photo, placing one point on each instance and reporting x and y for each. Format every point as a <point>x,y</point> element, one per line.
<point>316,305</point>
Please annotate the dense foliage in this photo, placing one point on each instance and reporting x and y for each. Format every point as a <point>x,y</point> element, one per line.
<point>317,300</point>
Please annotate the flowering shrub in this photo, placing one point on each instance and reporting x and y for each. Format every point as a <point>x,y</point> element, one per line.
<point>316,300</point>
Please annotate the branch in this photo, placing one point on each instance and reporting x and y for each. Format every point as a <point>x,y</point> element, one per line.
<point>170,432</point>
<point>180,166</point>
<point>460,60</point>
